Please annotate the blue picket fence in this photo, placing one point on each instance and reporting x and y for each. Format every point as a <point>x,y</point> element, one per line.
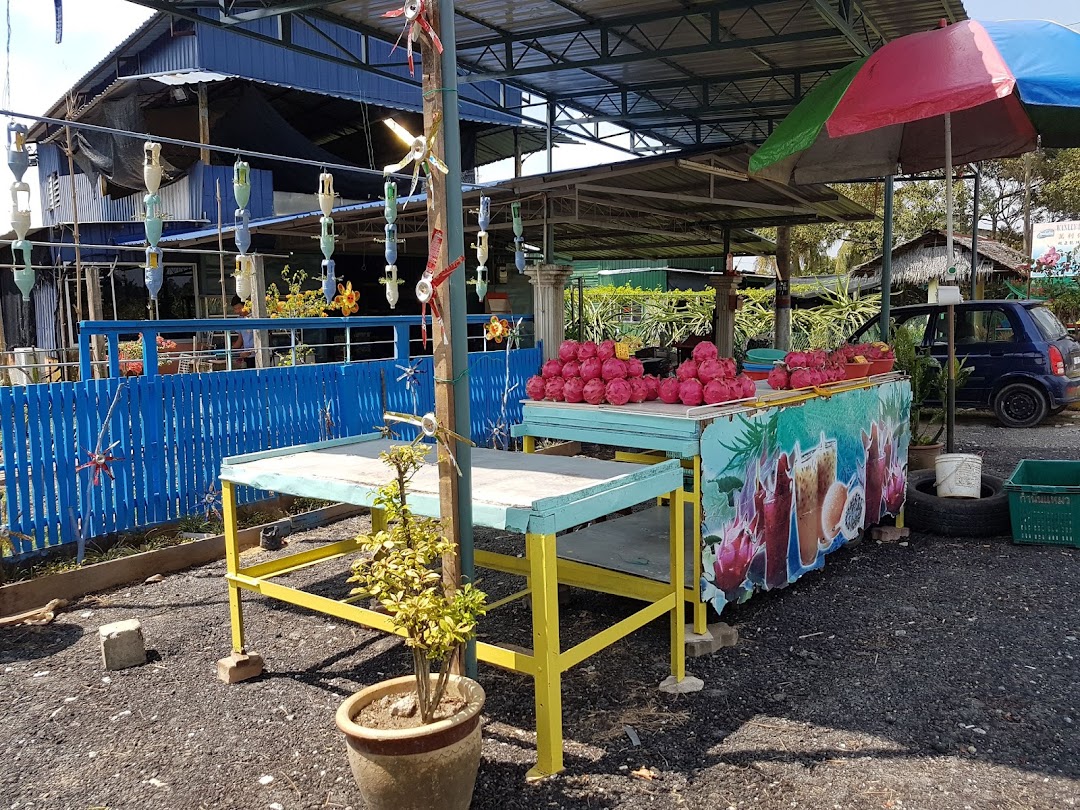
<point>174,430</point>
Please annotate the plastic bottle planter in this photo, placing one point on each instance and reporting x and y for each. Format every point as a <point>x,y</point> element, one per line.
<point>390,202</point>
<point>519,238</point>
<point>152,166</point>
<point>390,279</point>
<point>153,222</point>
<point>20,209</point>
<point>390,243</point>
<point>18,160</point>
<point>244,275</point>
<point>392,283</point>
<point>481,269</point>
<point>326,193</point>
<point>327,237</point>
<point>241,183</point>
<point>24,274</point>
<point>153,272</point>
<point>242,229</point>
<point>329,281</point>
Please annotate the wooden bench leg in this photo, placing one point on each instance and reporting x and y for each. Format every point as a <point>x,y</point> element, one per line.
<point>677,540</point>
<point>543,579</point>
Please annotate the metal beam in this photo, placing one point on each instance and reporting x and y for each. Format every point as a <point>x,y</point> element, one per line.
<point>830,15</point>
<point>273,11</point>
<point>721,201</point>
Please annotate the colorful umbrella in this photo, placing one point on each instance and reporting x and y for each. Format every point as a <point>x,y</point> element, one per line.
<point>1001,85</point>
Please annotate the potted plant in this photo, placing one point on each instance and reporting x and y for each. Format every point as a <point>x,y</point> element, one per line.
<point>414,742</point>
<point>927,385</point>
<point>131,355</point>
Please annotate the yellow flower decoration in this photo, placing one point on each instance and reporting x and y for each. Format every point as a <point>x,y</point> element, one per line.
<point>496,329</point>
<point>347,299</point>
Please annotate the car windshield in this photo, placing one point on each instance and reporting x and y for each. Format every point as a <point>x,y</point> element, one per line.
<point>1049,326</point>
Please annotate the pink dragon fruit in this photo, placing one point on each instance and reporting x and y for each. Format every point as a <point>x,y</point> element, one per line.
<point>606,350</point>
<point>687,370</point>
<point>535,387</point>
<point>715,392</point>
<point>778,378</point>
<point>618,391</point>
<point>800,378</point>
<point>639,389</point>
<point>568,350</point>
<point>585,351</point>
<point>728,369</point>
<point>591,369</point>
<point>749,388</point>
<point>794,360</point>
<point>733,561</point>
<point>654,387</point>
<point>553,389</point>
<point>552,368</point>
<point>634,368</point>
<point>571,369</point>
<point>594,391</point>
<point>574,389</point>
<point>668,390</point>
<point>709,369</point>
<point>614,369</point>
<point>704,351</point>
<point>691,393</point>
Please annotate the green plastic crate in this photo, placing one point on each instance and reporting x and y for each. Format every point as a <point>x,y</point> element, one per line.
<point>1044,502</point>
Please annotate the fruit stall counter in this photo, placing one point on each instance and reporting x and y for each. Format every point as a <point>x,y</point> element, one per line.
<point>534,495</point>
<point>777,481</point>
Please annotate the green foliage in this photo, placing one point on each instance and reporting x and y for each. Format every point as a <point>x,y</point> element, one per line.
<point>296,302</point>
<point>927,384</point>
<point>399,573</point>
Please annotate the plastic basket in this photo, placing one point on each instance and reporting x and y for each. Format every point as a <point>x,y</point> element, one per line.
<point>1044,502</point>
<point>768,356</point>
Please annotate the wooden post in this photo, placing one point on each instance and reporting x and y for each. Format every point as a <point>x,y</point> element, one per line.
<point>782,326</point>
<point>204,123</point>
<point>258,310</point>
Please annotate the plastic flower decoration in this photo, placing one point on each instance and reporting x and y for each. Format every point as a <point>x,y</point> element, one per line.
<point>419,153</point>
<point>347,299</point>
<point>415,23</point>
<point>496,330</point>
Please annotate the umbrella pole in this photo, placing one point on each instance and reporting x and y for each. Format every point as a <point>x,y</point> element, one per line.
<point>950,391</point>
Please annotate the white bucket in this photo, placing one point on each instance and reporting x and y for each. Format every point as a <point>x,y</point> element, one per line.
<point>959,475</point>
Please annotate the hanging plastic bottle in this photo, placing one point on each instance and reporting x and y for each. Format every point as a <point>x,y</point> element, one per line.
<point>327,237</point>
<point>152,166</point>
<point>242,229</point>
<point>241,183</point>
<point>481,269</point>
<point>481,282</point>
<point>390,202</point>
<point>392,283</point>
<point>153,222</point>
<point>519,238</point>
<point>390,244</point>
<point>243,274</point>
<point>20,209</point>
<point>484,217</point>
<point>326,193</point>
<point>18,160</point>
<point>329,281</point>
<point>153,272</point>
<point>24,269</point>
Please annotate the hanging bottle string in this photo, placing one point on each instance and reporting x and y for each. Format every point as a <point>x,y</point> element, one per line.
<point>153,269</point>
<point>244,269</point>
<point>390,212</point>
<point>327,235</point>
<point>21,249</point>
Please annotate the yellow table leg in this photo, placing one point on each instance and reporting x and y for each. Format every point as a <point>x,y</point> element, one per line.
<point>528,444</point>
<point>677,535</point>
<point>378,520</point>
<point>700,615</point>
<point>232,563</point>
<point>544,581</point>
<point>900,518</point>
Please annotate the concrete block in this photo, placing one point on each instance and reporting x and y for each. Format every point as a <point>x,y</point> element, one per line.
<point>715,636</point>
<point>122,644</point>
<point>889,534</point>
<point>686,685</point>
<point>239,667</point>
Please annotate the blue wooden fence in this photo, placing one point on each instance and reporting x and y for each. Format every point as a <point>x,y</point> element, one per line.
<point>174,430</point>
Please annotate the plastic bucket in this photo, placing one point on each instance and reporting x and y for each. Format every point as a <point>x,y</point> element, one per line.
<point>959,475</point>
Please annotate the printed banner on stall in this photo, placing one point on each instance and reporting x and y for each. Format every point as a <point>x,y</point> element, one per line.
<point>782,487</point>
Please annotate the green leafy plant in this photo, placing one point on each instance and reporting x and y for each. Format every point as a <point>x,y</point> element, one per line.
<point>928,384</point>
<point>399,573</point>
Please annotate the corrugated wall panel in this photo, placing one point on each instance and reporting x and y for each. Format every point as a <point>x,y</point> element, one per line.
<point>170,53</point>
<point>176,202</point>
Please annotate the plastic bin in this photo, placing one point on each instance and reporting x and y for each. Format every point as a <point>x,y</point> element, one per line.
<point>1044,502</point>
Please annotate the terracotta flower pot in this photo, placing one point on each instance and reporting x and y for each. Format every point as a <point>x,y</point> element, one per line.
<point>921,456</point>
<point>427,766</point>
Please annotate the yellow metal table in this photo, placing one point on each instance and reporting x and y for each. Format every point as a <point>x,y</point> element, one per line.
<point>534,495</point>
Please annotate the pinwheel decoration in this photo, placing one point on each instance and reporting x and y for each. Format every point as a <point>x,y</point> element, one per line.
<point>98,460</point>
<point>416,22</point>
<point>419,153</point>
<point>348,299</point>
<point>431,429</point>
<point>429,283</point>
<point>410,375</point>
<point>496,330</point>
<point>211,503</point>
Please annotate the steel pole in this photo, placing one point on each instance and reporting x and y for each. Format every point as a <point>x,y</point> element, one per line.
<point>886,260</point>
<point>975,235</point>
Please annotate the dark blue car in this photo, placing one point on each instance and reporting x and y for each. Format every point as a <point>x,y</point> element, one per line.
<point>1024,364</point>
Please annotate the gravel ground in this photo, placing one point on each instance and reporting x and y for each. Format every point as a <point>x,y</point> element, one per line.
<point>936,674</point>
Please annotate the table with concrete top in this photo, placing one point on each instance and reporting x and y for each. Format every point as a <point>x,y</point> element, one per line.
<point>531,494</point>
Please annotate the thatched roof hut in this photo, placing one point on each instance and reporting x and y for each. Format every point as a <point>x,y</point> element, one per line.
<point>921,260</point>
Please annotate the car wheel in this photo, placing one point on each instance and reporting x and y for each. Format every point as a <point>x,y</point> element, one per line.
<point>987,516</point>
<point>1020,405</point>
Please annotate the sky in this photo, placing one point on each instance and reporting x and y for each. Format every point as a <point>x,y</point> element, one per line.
<point>41,71</point>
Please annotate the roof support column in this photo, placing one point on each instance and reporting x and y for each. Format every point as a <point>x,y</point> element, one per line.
<point>550,140</point>
<point>782,327</point>
<point>975,234</point>
<point>886,260</point>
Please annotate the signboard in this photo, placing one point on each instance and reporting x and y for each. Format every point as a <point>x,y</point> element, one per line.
<point>1055,240</point>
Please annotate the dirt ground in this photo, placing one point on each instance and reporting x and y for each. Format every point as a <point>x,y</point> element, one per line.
<point>936,674</point>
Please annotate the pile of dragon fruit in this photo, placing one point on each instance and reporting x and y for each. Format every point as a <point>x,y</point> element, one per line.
<point>590,372</point>
<point>807,369</point>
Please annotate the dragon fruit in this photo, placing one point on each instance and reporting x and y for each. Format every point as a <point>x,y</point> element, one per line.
<point>691,393</point>
<point>606,350</point>
<point>552,368</point>
<point>594,391</point>
<point>618,391</point>
<point>668,390</point>
<point>800,378</point>
<point>634,368</point>
<point>727,368</point>
<point>744,387</point>
<point>535,387</point>
<point>794,360</point>
<point>709,370</point>
<point>704,351</point>
<point>574,389</point>
<point>614,369</point>
<point>591,369</point>
<point>639,389</point>
<point>586,350</point>
<point>687,370</point>
<point>733,561</point>
<point>571,369</point>
<point>654,387</point>
<point>715,392</point>
<point>779,378</point>
<point>553,389</point>
<point>568,350</point>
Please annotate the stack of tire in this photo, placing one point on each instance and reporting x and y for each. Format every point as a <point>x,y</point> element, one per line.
<point>986,516</point>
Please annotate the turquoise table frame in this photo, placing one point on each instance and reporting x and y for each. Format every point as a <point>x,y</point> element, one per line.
<point>534,495</point>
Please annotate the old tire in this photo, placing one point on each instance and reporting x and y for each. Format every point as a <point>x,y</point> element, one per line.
<point>987,516</point>
<point>1021,405</point>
